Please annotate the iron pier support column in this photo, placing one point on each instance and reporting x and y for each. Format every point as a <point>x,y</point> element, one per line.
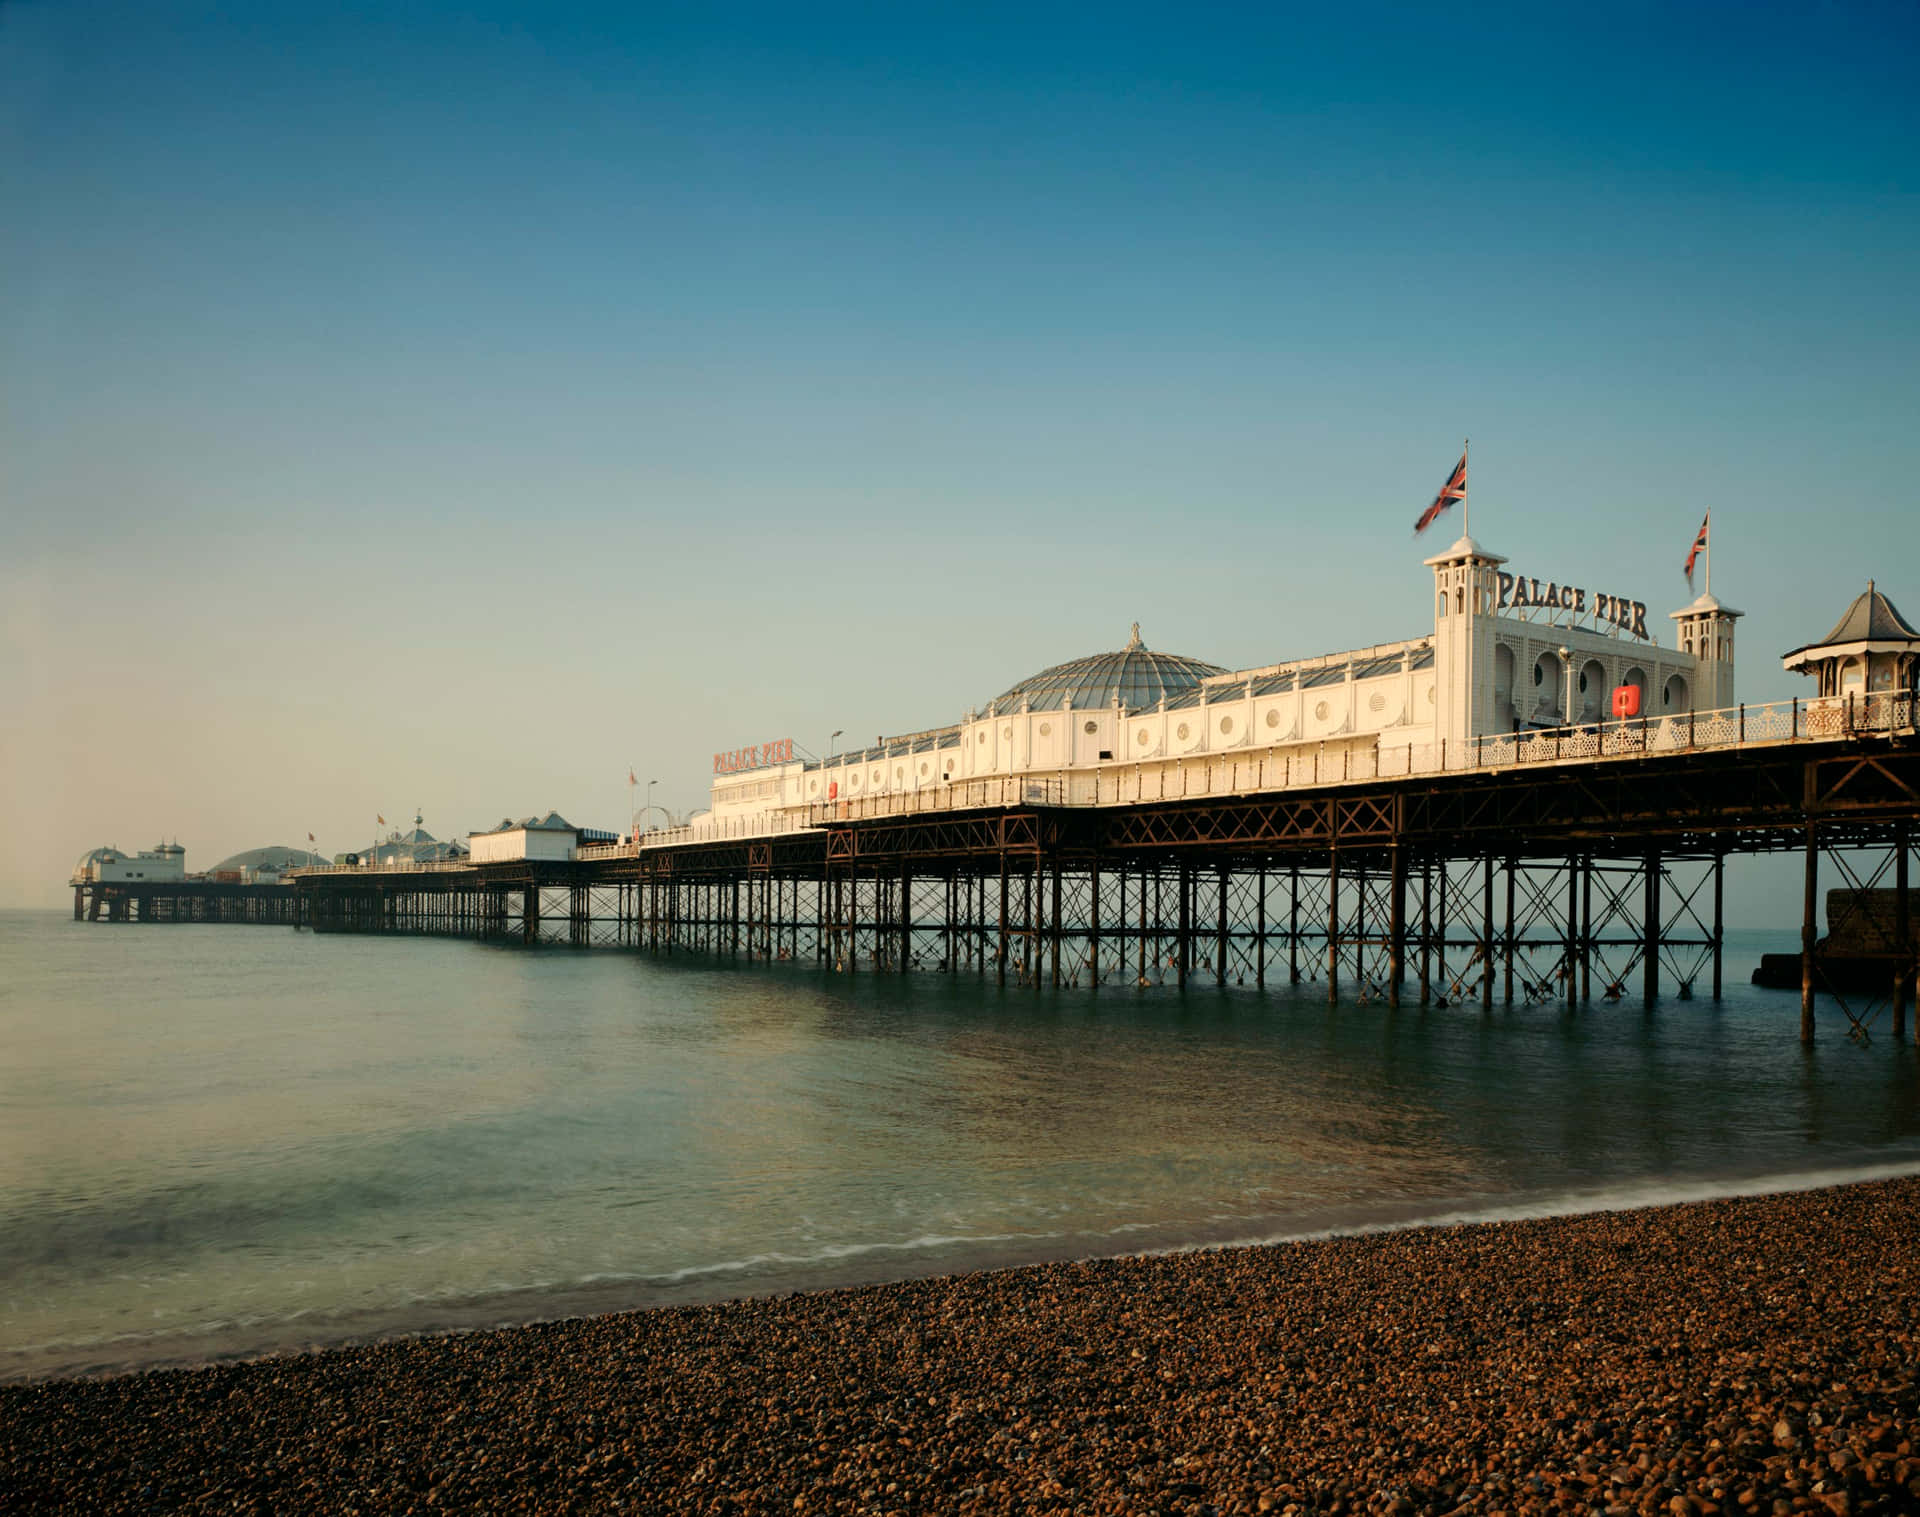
<point>1397,926</point>
<point>1902,936</point>
<point>1426,931</point>
<point>1183,949</point>
<point>1719,912</point>
<point>1808,905</point>
<point>1259,925</point>
<point>1486,936</point>
<point>1293,928</point>
<point>1220,933</point>
<point>1650,932</point>
<point>906,917</point>
<point>1572,962</point>
<point>1333,927</point>
<point>1093,927</point>
<point>1002,955</point>
<point>1507,977</point>
<point>1055,930</point>
<point>1586,928</point>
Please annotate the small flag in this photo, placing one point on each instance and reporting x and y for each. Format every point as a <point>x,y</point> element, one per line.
<point>632,778</point>
<point>1454,489</point>
<point>380,819</point>
<point>1699,542</point>
<point>309,837</point>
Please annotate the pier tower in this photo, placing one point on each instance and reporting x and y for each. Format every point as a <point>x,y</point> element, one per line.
<point>1465,582</point>
<point>1706,631</point>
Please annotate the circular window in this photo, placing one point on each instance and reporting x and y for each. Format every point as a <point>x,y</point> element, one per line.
<point>876,775</point>
<point>1273,718</point>
<point>923,771</point>
<point>1007,733</point>
<point>1429,695</point>
<point>1142,737</point>
<point>899,774</point>
<point>853,782</point>
<point>813,787</point>
<point>983,737</point>
<point>1376,702</point>
<point>1320,712</point>
<point>1046,729</point>
<point>1181,732</point>
<point>1226,724</point>
<point>1091,728</point>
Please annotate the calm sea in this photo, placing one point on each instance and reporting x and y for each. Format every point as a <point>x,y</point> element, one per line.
<point>222,1140</point>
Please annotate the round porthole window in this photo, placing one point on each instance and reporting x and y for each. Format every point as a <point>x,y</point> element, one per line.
<point>1143,738</point>
<point>899,774</point>
<point>1226,724</point>
<point>1181,732</point>
<point>1091,728</point>
<point>1273,718</point>
<point>1320,712</point>
<point>853,782</point>
<point>1046,729</point>
<point>1376,702</point>
<point>1007,733</point>
<point>983,737</point>
<point>1429,697</point>
<point>813,787</point>
<point>923,771</point>
<point>876,776</point>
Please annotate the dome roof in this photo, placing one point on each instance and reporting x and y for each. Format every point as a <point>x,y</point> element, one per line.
<point>99,856</point>
<point>269,858</point>
<point>1136,676</point>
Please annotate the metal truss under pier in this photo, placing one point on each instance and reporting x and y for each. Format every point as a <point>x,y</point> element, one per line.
<point>1526,886</point>
<point>186,901</point>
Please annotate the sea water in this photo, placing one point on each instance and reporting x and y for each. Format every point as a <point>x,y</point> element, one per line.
<point>221,1140</point>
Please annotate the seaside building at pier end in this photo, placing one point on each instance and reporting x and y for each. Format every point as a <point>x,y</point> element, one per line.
<point>1507,653</point>
<point>110,866</point>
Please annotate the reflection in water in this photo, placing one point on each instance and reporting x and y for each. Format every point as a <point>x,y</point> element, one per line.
<point>221,1139</point>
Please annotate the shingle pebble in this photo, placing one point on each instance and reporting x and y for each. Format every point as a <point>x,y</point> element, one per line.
<point>1754,1357</point>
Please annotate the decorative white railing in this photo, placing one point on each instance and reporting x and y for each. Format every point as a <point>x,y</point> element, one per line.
<point>704,832</point>
<point>395,866</point>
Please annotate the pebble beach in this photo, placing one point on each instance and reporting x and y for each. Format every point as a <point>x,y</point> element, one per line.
<point>1751,1355</point>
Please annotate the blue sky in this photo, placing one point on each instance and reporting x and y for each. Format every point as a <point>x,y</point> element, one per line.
<point>449,406</point>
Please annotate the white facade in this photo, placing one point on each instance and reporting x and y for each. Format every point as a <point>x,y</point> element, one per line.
<point>1506,654</point>
<point>109,866</point>
<point>550,837</point>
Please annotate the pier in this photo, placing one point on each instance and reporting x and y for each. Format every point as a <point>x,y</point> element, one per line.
<point>1561,867</point>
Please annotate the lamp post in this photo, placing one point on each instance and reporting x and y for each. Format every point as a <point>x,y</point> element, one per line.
<point>1566,659</point>
<point>838,731</point>
<point>650,785</point>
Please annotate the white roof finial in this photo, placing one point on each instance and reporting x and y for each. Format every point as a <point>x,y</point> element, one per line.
<point>1134,641</point>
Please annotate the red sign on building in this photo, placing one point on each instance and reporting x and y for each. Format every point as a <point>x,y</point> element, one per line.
<point>760,756</point>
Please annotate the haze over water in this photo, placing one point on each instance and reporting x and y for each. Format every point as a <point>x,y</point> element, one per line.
<point>223,1140</point>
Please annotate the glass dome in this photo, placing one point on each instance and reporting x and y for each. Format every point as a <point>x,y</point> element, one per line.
<point>1136,676</point>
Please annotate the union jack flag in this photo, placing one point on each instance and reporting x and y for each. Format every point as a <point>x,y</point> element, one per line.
<point>1454,489</point>
<point>1699,542</point>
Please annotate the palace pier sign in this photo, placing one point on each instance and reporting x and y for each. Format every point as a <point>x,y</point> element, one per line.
<point>757,756</point>
<point>1519,593</point>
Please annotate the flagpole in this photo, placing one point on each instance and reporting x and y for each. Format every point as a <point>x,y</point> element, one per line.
<point>1709,550</point>
<point>1466,482</point>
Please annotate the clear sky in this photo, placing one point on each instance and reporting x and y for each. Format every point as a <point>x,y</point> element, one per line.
<point>454,405</point>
